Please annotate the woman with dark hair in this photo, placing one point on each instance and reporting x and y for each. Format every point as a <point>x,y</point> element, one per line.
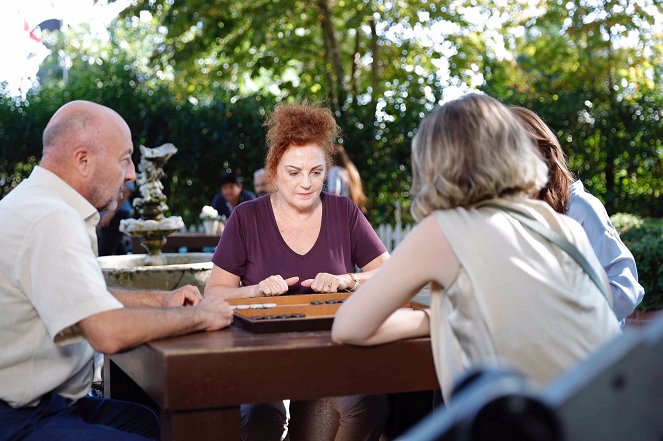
<point>568,197</point>
<point>299,239</point>
<point>344,180</point>
<point>501,291</point>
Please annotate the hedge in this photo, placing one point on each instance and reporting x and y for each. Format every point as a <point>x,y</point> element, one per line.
<point>644,237</point>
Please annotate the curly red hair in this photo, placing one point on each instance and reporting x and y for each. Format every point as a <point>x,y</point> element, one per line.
<point>298,125</point>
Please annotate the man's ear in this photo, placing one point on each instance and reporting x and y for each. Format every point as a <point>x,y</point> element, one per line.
<point>82,162</point>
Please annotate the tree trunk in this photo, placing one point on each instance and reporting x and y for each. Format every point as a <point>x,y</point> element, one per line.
<point>356,58</point>
<point>332,47</point>
<point>375,74</point>
<point>327,72</point>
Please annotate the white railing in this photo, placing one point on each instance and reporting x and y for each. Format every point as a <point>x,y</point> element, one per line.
<point>392,235</point>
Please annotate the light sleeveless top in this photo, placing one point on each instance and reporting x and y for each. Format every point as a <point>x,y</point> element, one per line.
<point>517,299</point>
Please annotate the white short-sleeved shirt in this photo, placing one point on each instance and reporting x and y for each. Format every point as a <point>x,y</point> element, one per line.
<point>517,300</point>
<point>49,281</point>
<point>337,183</point>
<point>616,259</point>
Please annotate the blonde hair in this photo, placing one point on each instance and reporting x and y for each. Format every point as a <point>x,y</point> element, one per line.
<point>470,150</point>
<point>556,192</point>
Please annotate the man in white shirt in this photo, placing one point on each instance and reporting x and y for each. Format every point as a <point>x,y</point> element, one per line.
<point>55,308</point>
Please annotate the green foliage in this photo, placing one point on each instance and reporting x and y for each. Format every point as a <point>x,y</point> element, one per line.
<point>644,237</point>
<point>567,61</point>
<point>601,97</point>
<point>204,74</point>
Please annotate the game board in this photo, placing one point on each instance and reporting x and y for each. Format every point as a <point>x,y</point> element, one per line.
<point>306,312</point>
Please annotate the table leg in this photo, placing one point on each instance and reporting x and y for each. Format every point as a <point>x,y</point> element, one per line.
<point>201,425</point>
<point>119,386</point>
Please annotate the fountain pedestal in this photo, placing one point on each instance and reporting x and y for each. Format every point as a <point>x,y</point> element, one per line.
<point>152,244</point>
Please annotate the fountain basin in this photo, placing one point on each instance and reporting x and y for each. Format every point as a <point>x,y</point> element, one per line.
<point>130,271</point>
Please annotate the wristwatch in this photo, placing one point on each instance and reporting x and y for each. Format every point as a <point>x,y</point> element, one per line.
<point>355,279</point>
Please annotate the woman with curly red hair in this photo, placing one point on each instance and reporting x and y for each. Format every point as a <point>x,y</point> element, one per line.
<point>298,240</point>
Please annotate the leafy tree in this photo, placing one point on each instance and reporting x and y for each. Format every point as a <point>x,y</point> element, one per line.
<point>593,70</point>
<point>210,137</point>
<point>203,75</point>
<point>361,58</point>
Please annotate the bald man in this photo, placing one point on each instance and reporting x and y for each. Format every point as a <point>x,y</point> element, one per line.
<point>55,308</point>
<point>261,183</point>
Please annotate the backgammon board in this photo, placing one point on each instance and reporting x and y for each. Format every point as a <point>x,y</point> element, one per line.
<point>306,312</point>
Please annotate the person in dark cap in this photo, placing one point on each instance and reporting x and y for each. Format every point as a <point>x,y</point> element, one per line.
<point>231,194</point>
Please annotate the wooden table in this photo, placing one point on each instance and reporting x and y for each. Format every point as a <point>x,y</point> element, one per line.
<point>198,381</point>
<point>194,242</point>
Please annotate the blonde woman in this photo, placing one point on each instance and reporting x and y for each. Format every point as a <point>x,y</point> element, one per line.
<point>500,293</point>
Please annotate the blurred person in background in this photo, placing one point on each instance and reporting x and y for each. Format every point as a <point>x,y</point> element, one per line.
<point>110,236</point>
<point>344,179</point>
<point>261,183</point>
<point>231,194</point>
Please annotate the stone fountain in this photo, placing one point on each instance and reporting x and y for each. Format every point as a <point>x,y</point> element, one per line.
<point>152,227</point>
<point>154,270</point>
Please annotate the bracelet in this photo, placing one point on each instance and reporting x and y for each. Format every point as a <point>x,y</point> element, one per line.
<point>355,279</point>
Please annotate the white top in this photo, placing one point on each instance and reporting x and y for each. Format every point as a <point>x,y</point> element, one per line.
<point>49,281</point>
<point>517,299</point>
<point>616,259</point>
<point>337,182</point>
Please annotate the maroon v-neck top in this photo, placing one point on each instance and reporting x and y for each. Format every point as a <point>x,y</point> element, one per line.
<point>252,247</point>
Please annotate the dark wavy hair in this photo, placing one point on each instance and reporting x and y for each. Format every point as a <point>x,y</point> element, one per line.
<point>556,192</point>
<point>341,158</point>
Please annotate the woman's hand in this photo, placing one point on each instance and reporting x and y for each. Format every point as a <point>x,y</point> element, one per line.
<point>325,282</point>
<point>274,286</point>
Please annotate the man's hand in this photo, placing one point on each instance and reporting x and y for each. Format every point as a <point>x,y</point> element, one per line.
<point>274,286</point>
<point>216,312</point>
<point>187,295</point>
